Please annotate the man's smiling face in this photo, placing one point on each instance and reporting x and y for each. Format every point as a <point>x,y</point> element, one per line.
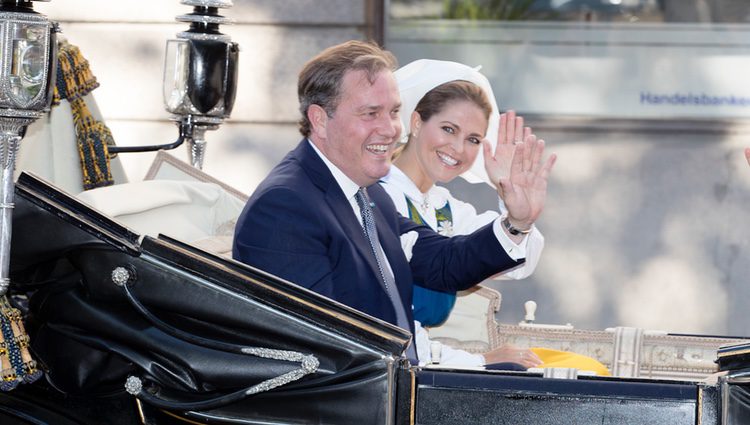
<point>362,133</point>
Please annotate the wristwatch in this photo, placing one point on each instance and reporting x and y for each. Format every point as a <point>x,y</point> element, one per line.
<point>513,230</point>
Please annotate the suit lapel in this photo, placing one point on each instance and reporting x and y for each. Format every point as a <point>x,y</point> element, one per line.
<point>342,209</point>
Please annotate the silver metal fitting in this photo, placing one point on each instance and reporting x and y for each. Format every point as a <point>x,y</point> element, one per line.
<point>133,385</point>
<point>120,276</point>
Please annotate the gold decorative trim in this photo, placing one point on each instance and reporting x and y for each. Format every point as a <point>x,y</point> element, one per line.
<point>733,353</point>
<point>700,407</point>
<point>413,397</point>
<point>178,417</point>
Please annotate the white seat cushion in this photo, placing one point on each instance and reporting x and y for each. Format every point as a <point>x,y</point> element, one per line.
<point>185,210</point>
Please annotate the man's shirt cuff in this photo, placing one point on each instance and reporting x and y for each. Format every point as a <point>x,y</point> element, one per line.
<point>514,251</point>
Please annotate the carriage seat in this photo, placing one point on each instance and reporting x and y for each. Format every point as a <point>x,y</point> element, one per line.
<point>626,351</point>
<point>176,200</point>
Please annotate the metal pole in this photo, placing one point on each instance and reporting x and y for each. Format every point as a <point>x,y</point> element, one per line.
<point>10,139</point>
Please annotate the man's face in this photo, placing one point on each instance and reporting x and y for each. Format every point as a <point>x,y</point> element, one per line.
<point>361,136</point>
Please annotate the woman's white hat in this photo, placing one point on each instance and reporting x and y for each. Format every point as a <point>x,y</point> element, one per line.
<point>419,77</point>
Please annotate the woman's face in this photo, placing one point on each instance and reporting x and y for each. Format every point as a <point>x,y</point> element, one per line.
<point>448,143</point>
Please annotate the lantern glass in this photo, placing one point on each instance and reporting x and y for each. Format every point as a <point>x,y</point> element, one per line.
<point>176,75</point>
<point>28,62</point>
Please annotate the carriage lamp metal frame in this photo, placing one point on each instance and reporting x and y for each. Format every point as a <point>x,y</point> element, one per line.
<point>28,62</point>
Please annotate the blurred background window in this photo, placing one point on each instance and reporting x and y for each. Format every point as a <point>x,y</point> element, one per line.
<point>719,11</point>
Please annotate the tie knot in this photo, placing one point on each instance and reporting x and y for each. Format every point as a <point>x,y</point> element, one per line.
<point>362,198</point>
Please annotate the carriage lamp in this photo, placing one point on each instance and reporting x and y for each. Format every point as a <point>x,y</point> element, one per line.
<point>200,75</point>
<point>28,46</point>
<point>200,79</point>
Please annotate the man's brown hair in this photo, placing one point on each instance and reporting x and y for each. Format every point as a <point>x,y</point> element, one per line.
<point>321,78</point>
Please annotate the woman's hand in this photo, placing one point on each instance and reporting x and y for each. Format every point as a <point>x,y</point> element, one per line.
<point>525,190</point>
<point>747,155</point>
<point>512,354</point>
<point>511,131</point>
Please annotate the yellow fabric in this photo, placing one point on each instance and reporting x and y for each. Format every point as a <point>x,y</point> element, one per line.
<point>557,358</point>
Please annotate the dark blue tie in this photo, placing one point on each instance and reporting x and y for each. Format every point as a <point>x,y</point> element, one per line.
<point>386,276</point>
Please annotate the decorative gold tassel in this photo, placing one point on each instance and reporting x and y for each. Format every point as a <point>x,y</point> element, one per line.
<point>16,364</point>
<point>74,81</point>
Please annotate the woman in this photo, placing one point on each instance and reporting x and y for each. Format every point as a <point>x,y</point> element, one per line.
<point>446,110</point>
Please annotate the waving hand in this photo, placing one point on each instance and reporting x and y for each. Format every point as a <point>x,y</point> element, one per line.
<point>524,191</point>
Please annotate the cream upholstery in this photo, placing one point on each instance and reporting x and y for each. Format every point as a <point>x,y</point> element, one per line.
<point>189,206</point>
<point>184,210</point>
<point>471,324</point>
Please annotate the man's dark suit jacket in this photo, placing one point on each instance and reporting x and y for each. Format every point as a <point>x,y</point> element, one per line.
<point>299,226</point>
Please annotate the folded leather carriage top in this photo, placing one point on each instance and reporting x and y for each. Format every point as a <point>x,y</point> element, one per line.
<point>188,332</point>
<point>734,358</point>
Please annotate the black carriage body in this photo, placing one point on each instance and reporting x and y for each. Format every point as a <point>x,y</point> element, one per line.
<point>202,333</point>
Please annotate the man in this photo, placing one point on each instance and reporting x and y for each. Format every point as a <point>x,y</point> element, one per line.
<point>308,220</point>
